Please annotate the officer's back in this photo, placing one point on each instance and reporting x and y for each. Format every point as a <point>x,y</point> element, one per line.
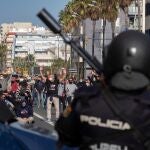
<point>91,123</point>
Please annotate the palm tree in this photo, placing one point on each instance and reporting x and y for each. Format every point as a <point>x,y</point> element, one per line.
<point>105,10</point>
<point>110,11</point>
<point>124,5</point>
<point>94,13</point>
<point>30,62</point>
<point>100,9</point>
<point>76,12</point>
<point>18,64</point>
<point>82,9</point>
<point>112,14</point>
<point>67,18</point>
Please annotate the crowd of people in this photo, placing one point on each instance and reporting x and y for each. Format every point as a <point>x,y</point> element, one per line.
<point>43,92</point>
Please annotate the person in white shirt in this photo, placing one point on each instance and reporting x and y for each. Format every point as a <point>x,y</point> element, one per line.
<point>70,89</point>
<point>62,95</point>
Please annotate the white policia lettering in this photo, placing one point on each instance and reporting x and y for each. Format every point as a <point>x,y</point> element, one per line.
<point>113,124</point>
<point>106,146</point>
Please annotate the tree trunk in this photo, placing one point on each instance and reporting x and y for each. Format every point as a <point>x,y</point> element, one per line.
<point>113,25</point>
<point>93,38</point>
<point>103,46</point>
<point>83,45</point>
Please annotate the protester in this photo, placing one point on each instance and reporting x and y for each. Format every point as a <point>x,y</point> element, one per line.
<point>62,94</point>
<point>51,88</point>
<point>70,89</point>
<point>24,109</point>
<point>39,88</point>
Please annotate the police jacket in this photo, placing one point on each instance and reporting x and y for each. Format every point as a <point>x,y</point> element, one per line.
<point>89,123</point>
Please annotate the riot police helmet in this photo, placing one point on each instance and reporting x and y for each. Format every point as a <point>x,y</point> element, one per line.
<point>127,64</point>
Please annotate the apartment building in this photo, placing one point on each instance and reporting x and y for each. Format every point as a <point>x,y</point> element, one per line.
<point>147,17</point>
<point>23,38</point>
<point>8,32</point>
<point>44,47</point>
<point>139,16</point>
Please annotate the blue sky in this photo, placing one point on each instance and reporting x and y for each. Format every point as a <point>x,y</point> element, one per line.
<point>26,10</point>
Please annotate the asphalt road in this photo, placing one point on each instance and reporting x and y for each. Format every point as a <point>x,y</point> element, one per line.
<point>40,118</point>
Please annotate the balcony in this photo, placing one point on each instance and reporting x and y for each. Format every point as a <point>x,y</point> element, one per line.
<point>40,56</point>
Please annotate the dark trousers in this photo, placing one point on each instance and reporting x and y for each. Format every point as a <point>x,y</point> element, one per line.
<point>62,99</point>
<point>69,100</point>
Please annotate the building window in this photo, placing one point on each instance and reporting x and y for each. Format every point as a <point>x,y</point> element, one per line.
<point>147,9</point>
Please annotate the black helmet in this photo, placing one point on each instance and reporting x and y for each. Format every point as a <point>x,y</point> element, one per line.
<point>127,64</point>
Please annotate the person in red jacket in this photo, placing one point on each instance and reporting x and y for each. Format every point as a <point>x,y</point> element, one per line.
<point>14,84</point>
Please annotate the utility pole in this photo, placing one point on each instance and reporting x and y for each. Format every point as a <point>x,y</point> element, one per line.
<point>103,44</point>
<point>58,46</point>
<point>82,43</point>
<point>93,38</point>
<point>139,14</point>
<point>143,15</point>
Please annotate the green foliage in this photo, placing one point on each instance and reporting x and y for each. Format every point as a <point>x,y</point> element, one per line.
<point>58,64</point>
<point>30,60</point>
<point>77,10</point>
<point>3,55</point>
<point>24,63</point>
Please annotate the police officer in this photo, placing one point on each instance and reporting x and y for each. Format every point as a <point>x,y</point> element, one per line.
<point>90,123</point>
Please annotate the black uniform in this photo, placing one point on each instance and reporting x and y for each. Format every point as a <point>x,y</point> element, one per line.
<point>51,88</point>
<point>90,123</point>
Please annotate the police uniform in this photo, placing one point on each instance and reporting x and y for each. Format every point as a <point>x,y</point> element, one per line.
<point>89,123</point>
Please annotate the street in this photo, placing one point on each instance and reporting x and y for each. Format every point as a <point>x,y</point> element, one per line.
<point>40,118</point>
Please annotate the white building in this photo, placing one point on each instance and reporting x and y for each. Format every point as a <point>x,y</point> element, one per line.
<point>23,38</point>
<point>8,32</point>
<point>139,16</point>
<point>44,47</point>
